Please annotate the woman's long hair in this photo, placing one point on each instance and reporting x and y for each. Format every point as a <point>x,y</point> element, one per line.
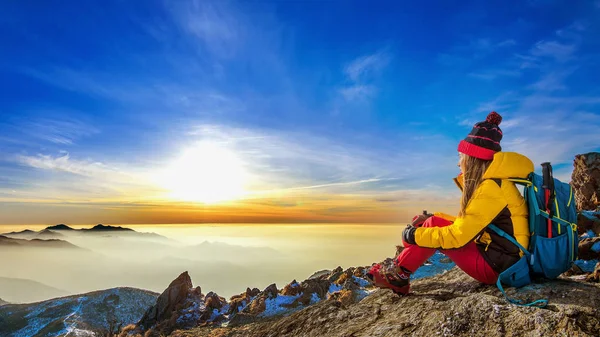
<point>472,177</point>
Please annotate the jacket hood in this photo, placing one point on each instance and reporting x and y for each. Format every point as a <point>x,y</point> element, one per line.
<point>509,165</point>
<point>504,165</point>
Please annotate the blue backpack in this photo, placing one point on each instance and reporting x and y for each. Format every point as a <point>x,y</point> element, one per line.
<point>553,245</point>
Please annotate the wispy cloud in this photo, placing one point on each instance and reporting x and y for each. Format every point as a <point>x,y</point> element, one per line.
<point>363,67</point>
<point>289,160</point>
<point>82,179</point>
<point>545,119</point>
<point>560,48</point>
<point>60,130</point>
<point>64,163</point>
<point>358,92</point>
<point>361,73</point>
<point>552,128</point>
<point>503,102</point>
<point>560,51</point>
<point>214,23</point>
<point>553,81</point>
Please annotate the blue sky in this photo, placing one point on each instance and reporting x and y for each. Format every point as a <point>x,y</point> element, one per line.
<point>342,99</point>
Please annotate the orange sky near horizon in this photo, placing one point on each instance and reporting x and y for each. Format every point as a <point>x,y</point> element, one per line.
<point>295,208</point>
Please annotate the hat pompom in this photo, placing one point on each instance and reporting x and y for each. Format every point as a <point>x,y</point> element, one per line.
<point>494,118</point>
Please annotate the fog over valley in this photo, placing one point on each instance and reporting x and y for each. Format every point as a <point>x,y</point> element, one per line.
<point>42,262</point>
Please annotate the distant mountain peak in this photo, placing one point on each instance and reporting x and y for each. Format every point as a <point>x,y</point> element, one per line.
<point>25,231</point>
<point>101,227</point>
<point>60,227</point>
<point>46,233</point>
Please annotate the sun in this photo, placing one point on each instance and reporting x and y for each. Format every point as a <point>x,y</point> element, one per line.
<point>207,173</point>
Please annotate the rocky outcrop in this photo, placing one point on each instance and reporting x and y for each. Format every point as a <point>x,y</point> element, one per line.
<point>595,276</point>
<point>238,302</point>
<point>181,306</point>
<point>175,294</point>
<point>589,249</point>
<point>294,296</point>
<point>452,304</point>
<point>588,221</point>
<point>585,180</point>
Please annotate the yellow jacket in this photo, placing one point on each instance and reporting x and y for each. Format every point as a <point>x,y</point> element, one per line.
<point>495,201</point>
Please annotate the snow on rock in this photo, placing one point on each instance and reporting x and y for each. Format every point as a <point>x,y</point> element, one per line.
<point>78,315</point>
<point>276,306</point>
<point>436,266</point>
<point>314,298</point>
<point>588,235</point>
<point>360,281</point>
<point>334,288</point>
<point>586,266</point>
<point>591,215</point>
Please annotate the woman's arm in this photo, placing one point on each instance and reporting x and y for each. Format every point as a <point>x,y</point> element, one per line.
<point>448,217</point>
<point>487,202</point>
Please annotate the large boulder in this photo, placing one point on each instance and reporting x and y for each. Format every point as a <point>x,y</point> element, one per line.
<point>238,302</point>
<point>588,221</point>
<point>175,294</point>
<point>585,180</point>
<point>589,249</point>
<point>181,306</point>
<point>595,276</point>
<point>291,289</point>
<point>214,301</point>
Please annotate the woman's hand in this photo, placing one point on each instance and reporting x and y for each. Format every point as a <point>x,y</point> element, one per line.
<point>408,235</point>
<point>418,220</point>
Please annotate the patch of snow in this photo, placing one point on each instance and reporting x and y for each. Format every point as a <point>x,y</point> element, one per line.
<point>588,235</point>
<point>360,281</point>
<point>241,307</point>
<point>591,215</point>
<point>192,312</point>
<point>34,322</point>
<point>214,315</point>
<point>314,298</point>
<point>224,309</point>
<point>436,267</point>
<point>71,321</point>
<point>333,288</point>
<point>274,306</point>
<point>361,294</point>
<point>586,265</point>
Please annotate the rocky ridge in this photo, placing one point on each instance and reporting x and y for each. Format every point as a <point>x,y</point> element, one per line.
<point>181,306</point>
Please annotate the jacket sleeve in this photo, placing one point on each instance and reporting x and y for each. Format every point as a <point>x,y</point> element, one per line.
<point>487,202</point>
<point>442,215</point>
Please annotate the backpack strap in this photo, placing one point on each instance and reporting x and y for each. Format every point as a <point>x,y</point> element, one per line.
<point>509,238</point>
<point>537,303</point>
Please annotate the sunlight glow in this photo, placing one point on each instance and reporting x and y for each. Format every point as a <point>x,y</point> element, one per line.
<point>207,173</point>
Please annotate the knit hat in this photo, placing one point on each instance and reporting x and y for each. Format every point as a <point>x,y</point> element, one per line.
<point>484,140</point>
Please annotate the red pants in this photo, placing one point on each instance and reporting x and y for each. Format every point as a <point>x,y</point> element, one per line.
<point>467,258</point>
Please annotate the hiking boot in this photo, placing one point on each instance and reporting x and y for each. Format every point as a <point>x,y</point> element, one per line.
<point>397,279</point>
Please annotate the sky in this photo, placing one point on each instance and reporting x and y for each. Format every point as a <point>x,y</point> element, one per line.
<point>279,111</point>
